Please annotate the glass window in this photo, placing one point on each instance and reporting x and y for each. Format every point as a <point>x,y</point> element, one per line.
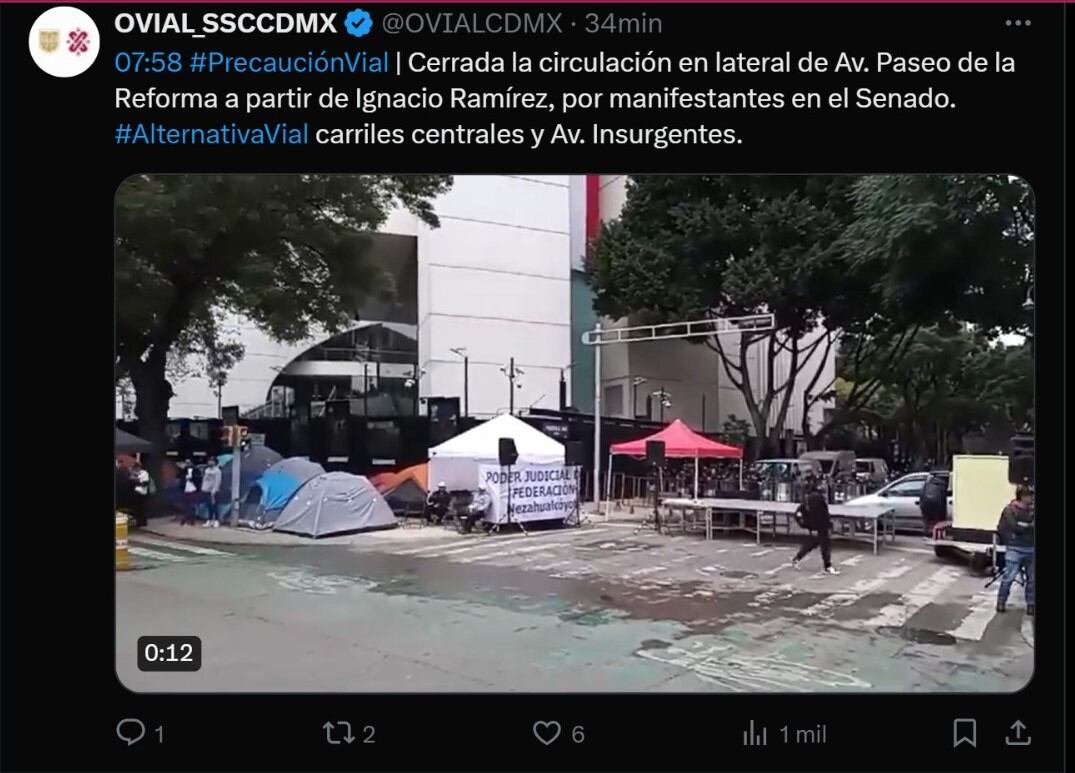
<point>907,488</point>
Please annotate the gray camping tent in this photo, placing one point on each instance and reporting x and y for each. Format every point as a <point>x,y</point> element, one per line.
<point>334,503</point>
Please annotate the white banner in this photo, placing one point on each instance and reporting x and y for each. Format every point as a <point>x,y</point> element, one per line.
<point>538,492</point>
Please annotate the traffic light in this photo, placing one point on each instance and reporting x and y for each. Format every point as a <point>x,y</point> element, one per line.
<point>232,437</point>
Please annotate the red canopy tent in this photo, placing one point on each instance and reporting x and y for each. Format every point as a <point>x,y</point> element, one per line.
<point>681,442</point>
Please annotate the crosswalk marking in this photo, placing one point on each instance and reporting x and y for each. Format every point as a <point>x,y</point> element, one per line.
<point>763,552</point>
<point>568,574</point>
<point>900,611</point>
<point>646,570</point>
<point>443,545</point>
<point>553,565</point>
<point>161,543</point>
<point>982,610</point>
<point>510,552</point>
<point>777,569</point>
<point>477,543</point>
<point>855,592</point>
<point>157,555</point>
<point>853,561</point>
<point>763,599</point>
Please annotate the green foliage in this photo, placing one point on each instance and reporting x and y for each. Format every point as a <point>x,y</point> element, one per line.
<point>868,259</point>
<point>955,248</point>
<point>691,247</point>
<point>953,381</point>
<point>289,252</point>
<point>735,430</point>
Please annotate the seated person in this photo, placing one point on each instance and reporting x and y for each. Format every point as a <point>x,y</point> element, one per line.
<point>437,503</point>
<point>477,509</point>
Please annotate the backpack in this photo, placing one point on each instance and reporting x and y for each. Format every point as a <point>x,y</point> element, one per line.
<point>935,490</point>
<point>806,514</point>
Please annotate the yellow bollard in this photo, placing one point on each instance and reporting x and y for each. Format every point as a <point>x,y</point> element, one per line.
<point>123,556</point>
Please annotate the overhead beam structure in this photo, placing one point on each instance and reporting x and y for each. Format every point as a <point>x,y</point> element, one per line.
<point>702,328</point>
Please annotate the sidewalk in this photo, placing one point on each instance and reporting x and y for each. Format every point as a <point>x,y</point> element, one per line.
<point>225,535</point>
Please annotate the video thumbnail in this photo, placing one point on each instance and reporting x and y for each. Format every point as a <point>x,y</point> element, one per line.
<point>574,433</point>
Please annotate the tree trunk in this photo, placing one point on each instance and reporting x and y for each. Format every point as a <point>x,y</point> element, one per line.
<point>152,393</point>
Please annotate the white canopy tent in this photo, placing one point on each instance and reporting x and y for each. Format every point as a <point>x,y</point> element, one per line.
<point>456,461</point>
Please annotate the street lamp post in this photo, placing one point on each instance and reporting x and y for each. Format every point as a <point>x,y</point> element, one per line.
<point>462,352</point>
<point>662,395</point>
<point>512,373</point>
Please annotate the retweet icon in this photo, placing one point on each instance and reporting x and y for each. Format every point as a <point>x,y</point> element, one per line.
<point>358,23</point>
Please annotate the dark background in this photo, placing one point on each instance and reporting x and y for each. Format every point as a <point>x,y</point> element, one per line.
<point>60,170</point>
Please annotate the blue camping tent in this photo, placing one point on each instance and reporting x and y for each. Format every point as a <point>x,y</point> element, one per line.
<point>275,488</point>
<point>254,462</point>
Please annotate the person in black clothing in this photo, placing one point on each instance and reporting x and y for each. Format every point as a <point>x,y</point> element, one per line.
<point>933,503</point>
<point>437,504</point>
<point>1016,533</point>
<point>813,514</point>
<point>124,487</point>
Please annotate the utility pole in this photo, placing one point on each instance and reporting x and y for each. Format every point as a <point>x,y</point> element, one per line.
<point>511,386</point>
<point>512,373</point>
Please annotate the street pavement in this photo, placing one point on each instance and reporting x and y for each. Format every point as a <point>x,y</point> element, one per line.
<point>597,608</point>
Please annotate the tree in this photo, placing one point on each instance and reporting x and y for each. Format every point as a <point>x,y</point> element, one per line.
<point>290,252</point>
<point>866,261</point>
<point>723,246</point>
<point>954,381</point>
<point>946,249</point>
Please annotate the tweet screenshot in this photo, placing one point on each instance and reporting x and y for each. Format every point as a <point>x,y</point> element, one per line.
<point>518,386</point>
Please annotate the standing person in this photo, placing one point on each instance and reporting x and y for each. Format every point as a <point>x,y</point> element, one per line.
<point>141,482</point>
<point>1016,532</point>
<point>211,481</point>
<point>124,487</point>
<point>933,504</point>
<point>192,494</point>
<point>813,513</point>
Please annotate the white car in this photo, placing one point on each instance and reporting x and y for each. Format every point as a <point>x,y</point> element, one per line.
<point>903,496</point>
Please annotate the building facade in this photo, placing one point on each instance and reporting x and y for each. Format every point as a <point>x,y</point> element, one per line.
<point>500,282</point>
